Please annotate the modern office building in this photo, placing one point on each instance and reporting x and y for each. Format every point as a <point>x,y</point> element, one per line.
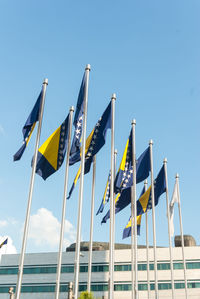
<point>40,272</point>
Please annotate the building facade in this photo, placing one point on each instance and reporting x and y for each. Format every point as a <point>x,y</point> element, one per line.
<point>40,273</point>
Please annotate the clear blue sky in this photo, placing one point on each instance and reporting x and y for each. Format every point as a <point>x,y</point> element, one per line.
<point>148,53</point>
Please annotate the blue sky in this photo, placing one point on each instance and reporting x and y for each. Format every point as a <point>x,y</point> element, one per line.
<point>148,53</point>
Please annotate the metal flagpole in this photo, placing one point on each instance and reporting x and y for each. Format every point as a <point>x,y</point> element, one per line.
<point>182,240</point>
<point>91,224</point>
<point>134,216</point>
<point>26,225</point>
<point>64,205</point>
<point>147,245</point>
<point>154,221</point>
<point>112,205</point>
<point>115,162</point>
<point>169,227</point>
<point>78,237</point>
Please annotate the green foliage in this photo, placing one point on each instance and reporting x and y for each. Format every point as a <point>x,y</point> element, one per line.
<point>86,295</point>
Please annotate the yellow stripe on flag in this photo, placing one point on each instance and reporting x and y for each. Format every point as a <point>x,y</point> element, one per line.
<point>49,148</point>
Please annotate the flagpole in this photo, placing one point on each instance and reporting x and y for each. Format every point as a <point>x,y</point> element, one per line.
<point>26,225</point>
<point>112,205</point>
<point>147,245</point>
<point>182,239</point>
<point>115,162</point>
<point>64,205</point>
<point>91,224</point>
<point>134,216</point>
<point>169,227</point>
<point>153,221</point>
<point>78,237</point>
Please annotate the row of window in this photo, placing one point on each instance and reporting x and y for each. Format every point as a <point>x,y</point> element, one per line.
<point>98,268</point>
<point>100,287</point>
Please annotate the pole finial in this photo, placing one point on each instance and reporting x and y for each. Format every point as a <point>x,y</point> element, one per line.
<point>115,152</point>
<point>145,182</point>
<point>133,122</point>
<point>72,108</point>
<point>150,142</point>
<point>165,161</point>
<point>177,176</point>
<point>88,67</point>
<point>113,97</point>
<point>45,81</point>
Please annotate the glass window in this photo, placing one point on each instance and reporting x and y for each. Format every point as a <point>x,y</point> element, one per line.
<point>83,268</point>
<point>193,265</point>
<point>164,286</point>
<point>179,285</point>
<point>163,266</point>
<point>142,287</point>
<point>193,285</point>
<point>8,271</point>
<point>122,287</point>
<point>142,267</point>
<point>178,266</point>
<point>151,266</point>
<point>122,267</point>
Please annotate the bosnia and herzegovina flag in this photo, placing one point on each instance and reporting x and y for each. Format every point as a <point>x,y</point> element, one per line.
<point>78,124</point>
<point>124,177</point>
<point>94,143</point>
<point>29,127</point>
<point>127,229</point>
<point>4,242</point>
<point>106,195</point>
<point>144,203</point>
<point>52,153</point>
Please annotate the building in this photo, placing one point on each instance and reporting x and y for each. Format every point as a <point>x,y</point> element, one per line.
<point>40,272</point>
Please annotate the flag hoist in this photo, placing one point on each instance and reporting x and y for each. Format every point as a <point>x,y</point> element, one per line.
<point>79,219</point>
<point>153,221</point>
<point>112,205</point>
<point>169,228</point>
<point>147,245</point>
<point>26,225</point>
<point>57,289</point>
<point>91,224</point>
<point>134,217</point>
<point>176,198</point>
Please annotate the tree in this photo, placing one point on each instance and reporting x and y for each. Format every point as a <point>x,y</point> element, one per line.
<point>86,295</point>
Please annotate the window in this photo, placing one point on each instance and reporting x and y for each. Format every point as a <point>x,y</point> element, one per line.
<point>163,266</point>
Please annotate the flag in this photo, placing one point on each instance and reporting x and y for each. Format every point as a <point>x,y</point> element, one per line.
<point>78,124</point>
<point>29,127</point>
<point>127,230</point>
<point>175,199</point>
<point>124,177</point>
<point>94,142</point>
<point>52,152</point>
<point>4,242</point>
<point>106,195</point>
<point>144,203</point>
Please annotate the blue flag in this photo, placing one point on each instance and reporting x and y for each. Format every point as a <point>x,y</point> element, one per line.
<point>4,242</point>
<point>144,203</point>
<point>106,195</point>
<point>127,229</point>
<point>78,124</point>
<point>29,127</point>
<point>52,153</point>
<point>94,142</point>
<point>124,177</point>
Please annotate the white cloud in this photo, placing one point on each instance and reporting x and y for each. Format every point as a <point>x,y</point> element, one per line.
<point>3,223</point>
<point>45,230</point>
<point>8,248</point>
